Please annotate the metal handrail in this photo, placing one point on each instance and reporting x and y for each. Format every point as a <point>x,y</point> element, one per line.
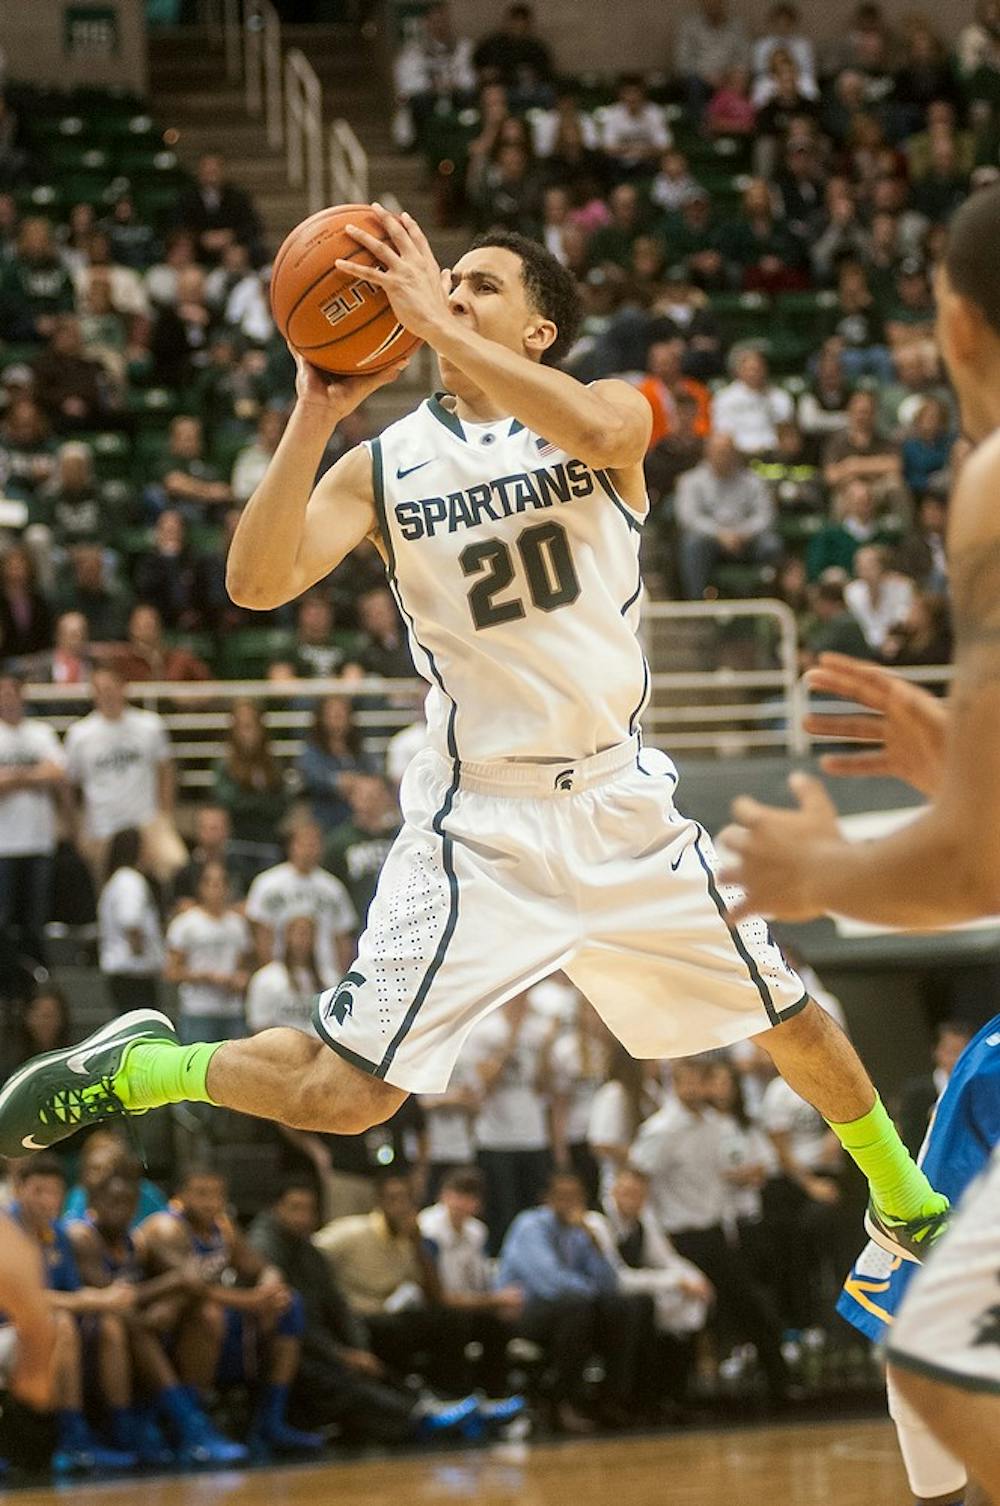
<point>304,127</point>
<point>262,66</point>
<point>232,27</point>
<point>348,166</point>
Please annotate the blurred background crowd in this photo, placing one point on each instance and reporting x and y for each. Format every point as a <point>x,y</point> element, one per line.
<point>755,229</point>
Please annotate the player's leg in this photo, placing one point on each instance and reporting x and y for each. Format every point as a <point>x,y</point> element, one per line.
<point>281,1341</point>
<point>671,976</point>
<point>936,1477</point>
<point>944,1347</point>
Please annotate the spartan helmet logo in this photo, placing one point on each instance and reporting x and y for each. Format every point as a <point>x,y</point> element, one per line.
<point>342,1002</point>
<point>564,779</point>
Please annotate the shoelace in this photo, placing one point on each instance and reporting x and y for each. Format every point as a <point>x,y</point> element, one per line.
<point>75,1105</point>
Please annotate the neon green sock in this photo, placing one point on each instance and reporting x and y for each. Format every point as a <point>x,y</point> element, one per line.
<point>154,1073</point>
<point>898,1187</point>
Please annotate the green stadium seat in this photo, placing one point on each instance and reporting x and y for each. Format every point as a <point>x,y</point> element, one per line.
<point>736,581</point>
<point>202,644</point>
<point>811,316</point>
<point>742,316</point>
<point>247,654</point>
<point>796,529</point>
<point>43,198</point>
<point>112,455</point>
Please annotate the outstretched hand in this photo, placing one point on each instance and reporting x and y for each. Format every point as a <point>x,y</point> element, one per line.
<point>909,726</point>
<point>407,271</point>
<point>774,855</point>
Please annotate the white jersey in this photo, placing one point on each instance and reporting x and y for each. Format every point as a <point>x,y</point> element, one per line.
<point>516,568</point>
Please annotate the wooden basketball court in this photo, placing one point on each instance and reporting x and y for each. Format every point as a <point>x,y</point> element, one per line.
<point>816,1464</point>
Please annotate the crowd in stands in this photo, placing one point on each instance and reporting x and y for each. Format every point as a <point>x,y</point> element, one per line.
<point>755,232</point>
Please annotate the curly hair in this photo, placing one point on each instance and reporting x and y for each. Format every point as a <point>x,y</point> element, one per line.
<point>550,287</point>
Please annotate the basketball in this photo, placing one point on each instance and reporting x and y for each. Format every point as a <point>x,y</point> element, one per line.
<point>341,324</point>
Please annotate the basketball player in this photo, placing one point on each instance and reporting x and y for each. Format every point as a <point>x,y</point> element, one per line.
<point>539,833</point>
<point>27,1353</point>
<point>942,868</point>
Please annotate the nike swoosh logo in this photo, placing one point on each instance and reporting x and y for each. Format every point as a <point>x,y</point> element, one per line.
<point>78,1063</point>
<point>411,468</point>
<point>674,866</point>
<point>30,1143</point>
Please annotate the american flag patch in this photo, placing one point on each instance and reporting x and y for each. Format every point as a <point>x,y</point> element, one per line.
<point>544,447</point>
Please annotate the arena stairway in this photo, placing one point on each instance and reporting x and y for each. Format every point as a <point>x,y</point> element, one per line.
<point>200,110</point>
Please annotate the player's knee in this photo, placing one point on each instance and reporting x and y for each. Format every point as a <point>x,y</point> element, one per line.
<point>209,1319</point>
<point>113,1331</point>
<point>333,1097</point>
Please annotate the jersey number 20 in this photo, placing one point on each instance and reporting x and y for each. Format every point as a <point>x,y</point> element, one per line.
<point>548,566</point>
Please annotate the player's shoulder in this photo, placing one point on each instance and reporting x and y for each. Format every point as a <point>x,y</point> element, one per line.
<point>974,513</point>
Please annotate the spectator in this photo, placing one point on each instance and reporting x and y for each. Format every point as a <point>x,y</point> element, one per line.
<point>834,629</point>
<point>923,636</point>
<point>284,990</point>
<point>614,241</point>
<point>69,508</point>
<point>254,459</point>
<point>750,408</point>
<point>859,452</point>
<point>855,523</point>
<point>796,483</point>
<point>646,1261</point>
<point>681,1151</point>
<point>182,332</point>
<point>35,285</point>
<point>250,784</point>
<point>132,240</point>
<point>209,949</point>
<point>217,212</point>
<point>119,758</point>
<point>724,511</point>
<point>508,193</point>
<point>680,450</point>
<point>104,1154</point>
<point>549,127</point>
<point>147,657</point>
<point>258,1315</point>
<point>433,71</point>
<point>978,44</point>
<point>188,482</point>
<point>128,293</point>
<point>578,1064</point>
<point>166,576</point>
<point>800,187</point>
<point>673,184</point>
<point>859,326</point>
<point>695,237</point>
<point>709,44</point>
<point>383,1266</point>
<point>731,111</point>
<point>920,1094</point>
<point>765,255</point>
<point>927,449</point>
<point>822,408</point>
<point>39,1186</point>
<point>517,58</point>
<point>70,387</point>
<point>92,591</point>
<point>27,453</point>
<point>32,775</point>
<point>340,1380</point>
<point>508,1053</point>
<point>301,887</point>
<point>450,1119</point>
<point>25,615</point>
<point>320,649</point>
<point>574,1308</point>
<point>358,847</point>
<point>634,131</point>
<point>782,34</point>
<point>749,1158</point>
<point>619,1106</point>
<point>212,844</point>
<point>384,650</point>
<point>163,279</point>
<point>921,554</point>
<point>662,386</point>
<point>926,76</point>
<point>70,661</point>
<point>130,942</point>
<point>916,377</point>
<point>942,189</point>
<point>841,238</point>
<point>878,597</point>
<point>41,1024</point>
<point>910,320</point>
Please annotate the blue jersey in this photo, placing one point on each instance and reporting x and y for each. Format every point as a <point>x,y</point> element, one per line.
<point>61,1274</point>
<point>964,1130</point>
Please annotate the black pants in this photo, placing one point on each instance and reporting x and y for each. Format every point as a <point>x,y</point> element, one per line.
<point>618,1327</point>
<point>515,1180</point>
<point>129,992</point>
<point>739,1304</point>
<point>326,1390</point>
<point>434,1341</point>
<point>26,901</point>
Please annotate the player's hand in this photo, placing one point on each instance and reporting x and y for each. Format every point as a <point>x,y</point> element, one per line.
<point>775,855</point>
<point>407,272</point>
<point>337,396</point>
<point>910,725</point>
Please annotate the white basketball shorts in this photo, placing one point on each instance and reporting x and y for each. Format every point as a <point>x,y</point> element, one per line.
<point>503,873</point>
<point>948,1327</point>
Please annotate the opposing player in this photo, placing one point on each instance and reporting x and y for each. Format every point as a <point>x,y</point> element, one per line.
<point>539,833</point>
<point>941,868</point>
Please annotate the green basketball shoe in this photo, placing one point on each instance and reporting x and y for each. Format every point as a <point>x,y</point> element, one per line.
<point>55,1094</point>
<point>913,1240</point>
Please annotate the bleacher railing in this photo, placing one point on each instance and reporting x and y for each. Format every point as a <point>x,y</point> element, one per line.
<point>348,166</point>
<point>262,66</point>
<point>304,127</point>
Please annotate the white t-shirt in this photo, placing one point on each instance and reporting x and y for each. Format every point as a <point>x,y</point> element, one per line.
<point>514,1115</point>
<point>746,1145</point>
<point>210,944</point>
<point>282,892</point>
<point>276,996</point>
<point>579,1079</point>
<point>783,1111</point>
<point>450,1140</point>
<point>28,817</point>
<point>681,1153</point>
<point>116,764</point>
<point>126,904</point>
<point>750,417</point>
<point>634,135</point>
<point>877,619</point>
<point>609,1122</point>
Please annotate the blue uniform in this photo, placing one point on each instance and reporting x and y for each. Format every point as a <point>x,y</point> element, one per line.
<point>964,1131</point>
<point>61,1274</point>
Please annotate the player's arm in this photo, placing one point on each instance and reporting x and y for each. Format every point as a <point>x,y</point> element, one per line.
<point>944,867</point>
<point>291,533</point>
<point>26,1302</point>
<point>607,424</point>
